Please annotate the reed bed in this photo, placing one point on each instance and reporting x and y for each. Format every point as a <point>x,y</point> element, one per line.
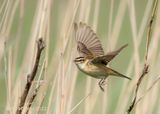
<point>46,81</point>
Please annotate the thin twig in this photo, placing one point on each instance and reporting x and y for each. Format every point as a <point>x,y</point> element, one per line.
<point>154,83</point>
<point>31,76</point>
<point>146,66</point>
<point>149,31</point>
<point>30,102</point>
<point>145,71</point>
<point>79,103</point>
<point>32,98</point>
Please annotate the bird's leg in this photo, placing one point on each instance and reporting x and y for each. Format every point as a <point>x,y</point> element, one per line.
<point>102,83</point>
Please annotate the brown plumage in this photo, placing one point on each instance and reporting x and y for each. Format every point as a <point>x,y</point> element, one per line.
<point>92,60</point>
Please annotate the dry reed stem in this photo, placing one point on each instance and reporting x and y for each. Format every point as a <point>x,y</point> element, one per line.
<point>8,20</point>
<point>2,12</point>
<point>64,42</point>
<point>51,96</point>
<point>134,36</point>
<point>40,104</point>
<point>32,98</point>
<point>89,83</point>
<point>49,106</point>
<point>5,27</point>
<point>149,31</point>
<point>71,87</point>
<point>144,72</point>
<point>39,83</point>
<point>28,57</point>
<point>110,22</point>
<point>18,35</point>
<point>31,76</point>
<point>52,67</point>
<point>149,89</point>
<point>2,7</point>
<point>81,101</point>
<point>44,30</point>
<point>9,77</point>
<point>118,23</point>
<point>131,63</point>
<point>145,69</point>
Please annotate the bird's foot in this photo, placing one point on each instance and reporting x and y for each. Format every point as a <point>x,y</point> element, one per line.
<point>101,88</point>
<point>102,83</point>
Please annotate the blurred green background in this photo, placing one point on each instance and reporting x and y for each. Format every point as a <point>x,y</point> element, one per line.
<point>120,63</point>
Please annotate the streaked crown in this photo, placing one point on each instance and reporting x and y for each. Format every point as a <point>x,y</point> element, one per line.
<point>80,60</point>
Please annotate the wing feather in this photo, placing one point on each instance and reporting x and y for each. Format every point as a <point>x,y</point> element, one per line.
<point>88,43</point>
<point>107,58</point>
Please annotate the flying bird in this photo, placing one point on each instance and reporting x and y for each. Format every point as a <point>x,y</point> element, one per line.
<point>92,60</point>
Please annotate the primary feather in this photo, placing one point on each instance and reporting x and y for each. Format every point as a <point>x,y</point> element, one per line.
<point>88,43</point>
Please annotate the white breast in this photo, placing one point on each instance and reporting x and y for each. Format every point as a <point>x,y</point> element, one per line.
<point>82,66</point>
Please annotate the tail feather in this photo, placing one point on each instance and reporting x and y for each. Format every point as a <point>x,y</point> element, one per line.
<point>115,73</point>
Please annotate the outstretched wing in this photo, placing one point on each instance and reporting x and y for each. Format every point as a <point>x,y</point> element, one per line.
<point>88,43</point>
<point>107,58</point>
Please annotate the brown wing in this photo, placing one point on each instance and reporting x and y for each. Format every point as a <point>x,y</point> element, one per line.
<point>107,58</point>
<point>88,43</point>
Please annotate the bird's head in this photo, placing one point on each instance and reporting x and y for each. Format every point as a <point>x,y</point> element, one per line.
<point>80,60</point>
